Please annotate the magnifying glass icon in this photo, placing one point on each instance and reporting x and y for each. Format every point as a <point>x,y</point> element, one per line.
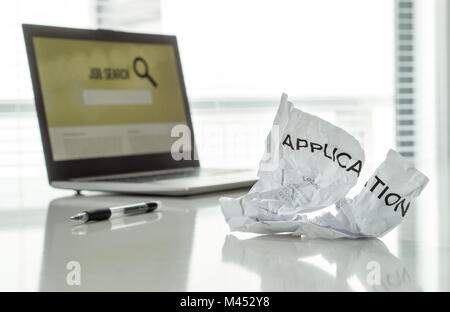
<point>144,73</point>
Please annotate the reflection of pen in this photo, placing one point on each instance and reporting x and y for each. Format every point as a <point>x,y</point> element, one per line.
<point>114,224</point>
<point>106,213</point>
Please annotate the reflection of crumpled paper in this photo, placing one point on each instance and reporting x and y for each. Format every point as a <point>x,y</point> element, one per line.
<point>320,264</point>
<point>310,165</point>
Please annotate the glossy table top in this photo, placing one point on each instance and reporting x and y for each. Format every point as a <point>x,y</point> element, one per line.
<point>187,246</point>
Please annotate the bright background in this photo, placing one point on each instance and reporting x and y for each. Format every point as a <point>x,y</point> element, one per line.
<point>333,58</point>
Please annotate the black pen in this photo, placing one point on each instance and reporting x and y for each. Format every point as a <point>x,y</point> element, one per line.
<point>106,213</point>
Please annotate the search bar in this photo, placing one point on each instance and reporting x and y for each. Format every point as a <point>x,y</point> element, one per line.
<point>117,97</point>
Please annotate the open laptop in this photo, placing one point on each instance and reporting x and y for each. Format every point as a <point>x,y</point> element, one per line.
<point>114,115</point>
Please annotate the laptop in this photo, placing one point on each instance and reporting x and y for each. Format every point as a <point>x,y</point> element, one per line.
<point>114,115</point>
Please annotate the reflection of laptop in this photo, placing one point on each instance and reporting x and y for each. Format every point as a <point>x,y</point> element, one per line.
<point>114,114</point>
<point>109,262</point>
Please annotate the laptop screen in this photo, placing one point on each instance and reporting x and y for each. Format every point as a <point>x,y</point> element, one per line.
<point>107,98</point>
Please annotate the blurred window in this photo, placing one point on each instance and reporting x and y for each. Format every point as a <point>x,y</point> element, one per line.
<point>335,59</point>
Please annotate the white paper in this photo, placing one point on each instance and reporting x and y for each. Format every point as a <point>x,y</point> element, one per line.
<point>310,165</point>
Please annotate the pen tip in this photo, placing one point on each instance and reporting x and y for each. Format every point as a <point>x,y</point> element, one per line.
<point>79,217</point>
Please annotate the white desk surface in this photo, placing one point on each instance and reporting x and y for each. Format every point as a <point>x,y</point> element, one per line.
<point>187,246</point>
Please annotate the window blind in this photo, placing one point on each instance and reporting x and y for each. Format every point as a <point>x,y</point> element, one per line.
<point>405,100</point>
<point>127,14</point>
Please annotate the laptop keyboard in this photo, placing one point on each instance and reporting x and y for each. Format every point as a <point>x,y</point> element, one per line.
<point>172,175</point>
